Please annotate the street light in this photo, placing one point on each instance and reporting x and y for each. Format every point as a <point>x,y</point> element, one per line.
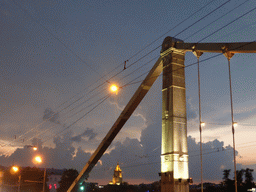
<point>114,88</point>
<point>33,147</point>
<point>38,159</point>
<point>15,169</point>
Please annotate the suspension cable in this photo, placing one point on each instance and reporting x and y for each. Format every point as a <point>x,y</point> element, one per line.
<point>232,117</point>
<point>200,124</point>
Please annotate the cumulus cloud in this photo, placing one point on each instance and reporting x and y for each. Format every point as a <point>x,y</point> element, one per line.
<point>139,160</point>
<point>216,158</point>
<point>191,113</point>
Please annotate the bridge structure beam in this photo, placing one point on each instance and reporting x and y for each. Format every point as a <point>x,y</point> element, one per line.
<point>174,153</point>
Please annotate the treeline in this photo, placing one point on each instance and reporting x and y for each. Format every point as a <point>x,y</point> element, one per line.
<point>244,182</point>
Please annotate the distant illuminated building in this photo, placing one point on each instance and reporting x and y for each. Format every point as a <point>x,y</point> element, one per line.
<point>117,177</point>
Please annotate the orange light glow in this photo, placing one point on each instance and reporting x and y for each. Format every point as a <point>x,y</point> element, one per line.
<point>35,148</point>
<point>38,159</point>
<point>15,169</point>
<point>114,88</point>
<point>202,124</point>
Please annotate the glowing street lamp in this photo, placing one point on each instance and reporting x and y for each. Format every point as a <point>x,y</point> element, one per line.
<point>38,159</point>
<point>35,148</point>
<point>114,88</point>
<point>16,169</point>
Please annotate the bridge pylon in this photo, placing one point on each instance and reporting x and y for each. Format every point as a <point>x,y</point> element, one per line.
<point>174,155</point>
<point>174,151</point>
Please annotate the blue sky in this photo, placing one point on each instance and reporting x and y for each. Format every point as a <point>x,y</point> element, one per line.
<point>54,53</point>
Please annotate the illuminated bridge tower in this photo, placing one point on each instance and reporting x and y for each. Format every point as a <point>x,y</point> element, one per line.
<point>174,153</point>
<point>174,157</point>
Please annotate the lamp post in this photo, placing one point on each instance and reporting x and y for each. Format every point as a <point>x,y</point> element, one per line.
<point>19,183</point>
<point>15,169</point>
<point>38,159</point>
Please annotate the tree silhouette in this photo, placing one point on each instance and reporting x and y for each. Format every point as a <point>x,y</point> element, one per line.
<point>226,173</point>
<point>248,178</point>
<point>239,177</point>
<point>67,179</point>
<point>228,183</point>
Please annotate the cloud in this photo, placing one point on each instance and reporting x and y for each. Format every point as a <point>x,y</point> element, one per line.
<point>136,113</point>
<point>216,158</point>
<point>191,113</point>
<point>87,133</point>
<point>139,160</point>
<point>50,115</point>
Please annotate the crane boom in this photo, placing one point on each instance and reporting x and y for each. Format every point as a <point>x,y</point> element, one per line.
<point>124,116</point>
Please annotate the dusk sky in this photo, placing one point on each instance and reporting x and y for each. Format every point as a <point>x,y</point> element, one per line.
<point>58,59</point>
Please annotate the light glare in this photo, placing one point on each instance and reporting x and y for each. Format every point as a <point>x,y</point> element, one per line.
<point>38,159</point>
<point>113,88</point>
<point>15,168</point>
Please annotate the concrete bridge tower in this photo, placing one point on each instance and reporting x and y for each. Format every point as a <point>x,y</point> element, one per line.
<point>174,153</point>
